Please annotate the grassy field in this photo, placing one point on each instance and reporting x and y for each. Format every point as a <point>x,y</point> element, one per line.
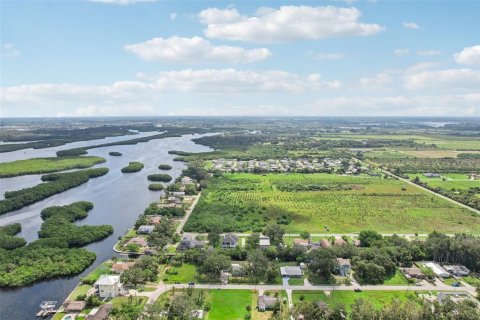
<point>397,280</point>
<point>452,181</point>
<point>46,165</point>
<point>184,274</point>
<point>246,202</point>
<point>81,289</point>
<point>377,298</point>
<point>229,304</point>
<point>93,276</point>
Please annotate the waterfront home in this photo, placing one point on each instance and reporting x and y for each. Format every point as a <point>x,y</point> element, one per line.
<point>230,240</point>
<point>100,313</point>
<point>73,306</point>
<point>145,229</point>
<point>343,266</point>
<point>155,220</point>
<point>141,241</point>
<point>120,266</point>
<point>108,286</point>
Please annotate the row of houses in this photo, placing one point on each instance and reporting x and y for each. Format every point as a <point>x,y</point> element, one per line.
<point>277,165</point>
<point>444,272</point>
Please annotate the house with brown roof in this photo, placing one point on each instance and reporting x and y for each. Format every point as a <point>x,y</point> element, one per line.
<point>141,241</point>
<point>119,267</point>
<point>100,313</point>
<point>324,243</point>
<point>74,306</point>
<point>413,273</point>
<point>303,244</point>
<point>339,241</point>
<point>155,220</point>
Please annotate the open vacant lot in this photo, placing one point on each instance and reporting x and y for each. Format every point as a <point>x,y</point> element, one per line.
<point>347,298</point>
<point>248,202</point>
<point>229,304</point>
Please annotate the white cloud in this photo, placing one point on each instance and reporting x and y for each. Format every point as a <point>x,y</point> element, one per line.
<point>410,25</point>
<point>401,52</point>
<point>379,81</point>
<point>173,16</point>
<point>429,53</point>
<point>96,111</point>
<point>196,49</point>
<point>215,16</point>
<point>288,23</point>
<point>326,56</point>
<point>450,79</point>
<point>10,51</point>
<point>469,56</point>
<point>121,2</point>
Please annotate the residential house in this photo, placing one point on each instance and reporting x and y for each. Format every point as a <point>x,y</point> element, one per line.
<point>303,244</point>
<point>266,303</point>
<point>178,194</point>
<point>437,269</point>
<point>100,313</point>
<point>108,286</point>
<point>324,243</point>
<point>230,240</point>
<point>189,242</point>
<point>264,242</point>
<point>457,270</point>
<point>145,229</point>
<point>343,267</point>
<point>291,272</point>
<point>141,241</point>
<point>155,220</point>
<point>339,241</point>
<point>431,175</point>
<point>74,306</point>
<point>119,267</point>
<point>413,273</point>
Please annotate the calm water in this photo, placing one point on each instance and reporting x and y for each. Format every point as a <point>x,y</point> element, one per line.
<point>118,199</point>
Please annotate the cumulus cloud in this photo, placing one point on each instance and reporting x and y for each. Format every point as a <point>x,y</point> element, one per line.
<point>469,56</point>
<point>443,79</point>
<point>121,2</point>
<point>326,56</point>
<point>9,50</point>
<point>96,111</point>
<point>196,49</point>
<point>410,25</point>
<point>288,23</point>
<point>401,52</point>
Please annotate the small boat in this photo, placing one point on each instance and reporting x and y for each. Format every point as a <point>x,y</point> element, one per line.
<point>45,305</point>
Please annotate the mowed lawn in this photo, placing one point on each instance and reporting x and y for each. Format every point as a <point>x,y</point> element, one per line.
<point>229,304</point>
<point>184,274</point>
<point>46,165</point>
<point>371,203</point>
<point>377,298</point>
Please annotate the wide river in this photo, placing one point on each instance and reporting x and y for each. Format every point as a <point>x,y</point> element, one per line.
<point>118,199</point>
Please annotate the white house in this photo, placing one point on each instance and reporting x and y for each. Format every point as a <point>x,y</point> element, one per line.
<point>146,229</point>
<point>108,286</point>
<point>264,242</point>
<point>437,269</point>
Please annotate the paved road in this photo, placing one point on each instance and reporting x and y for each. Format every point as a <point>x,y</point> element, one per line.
<point>188,213</point>
<point>161,288</point>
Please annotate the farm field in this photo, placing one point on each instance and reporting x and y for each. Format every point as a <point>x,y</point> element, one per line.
<point>452,181</point>
<point>346,204</point>
<point>46,165</point>
<point>377,298</point>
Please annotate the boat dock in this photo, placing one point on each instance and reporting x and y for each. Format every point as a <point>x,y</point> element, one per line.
<point>47,308</point>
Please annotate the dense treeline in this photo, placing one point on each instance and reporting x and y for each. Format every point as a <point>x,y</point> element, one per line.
<point>133,167</point>
<point>54,253</point>
<point>160,177</point>
<point>54,183</point>
<point>153,209</point>
<point>451,165</point>
<point>46,165</point>
<point>169,133</point>
<point>58,224</point>
<point>155,187</point>
<point>8,240</point>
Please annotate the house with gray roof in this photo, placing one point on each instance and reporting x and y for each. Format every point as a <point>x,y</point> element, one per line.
<point>266,303</point>
<point>230,240</point>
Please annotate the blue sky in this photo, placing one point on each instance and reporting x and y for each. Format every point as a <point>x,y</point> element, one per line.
<point>133,57</point>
